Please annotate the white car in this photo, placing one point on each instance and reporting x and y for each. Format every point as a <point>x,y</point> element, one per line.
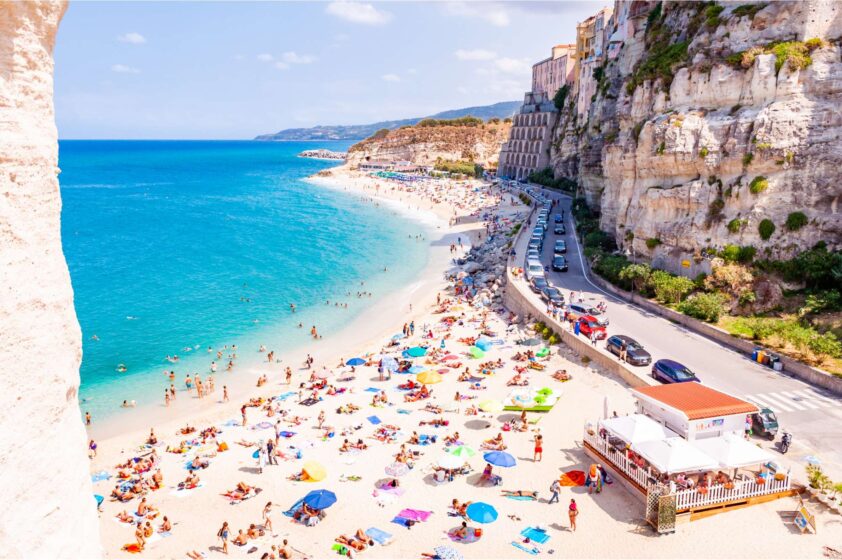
<point>534,269</point>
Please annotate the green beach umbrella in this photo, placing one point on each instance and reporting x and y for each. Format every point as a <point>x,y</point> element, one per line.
<point>476,352</point>
<point>463,451</point>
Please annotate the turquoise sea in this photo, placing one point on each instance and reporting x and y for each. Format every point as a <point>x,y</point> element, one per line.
<point>189,244</point>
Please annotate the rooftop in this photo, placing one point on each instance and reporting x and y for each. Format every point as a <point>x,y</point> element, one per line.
<point>697,401</point>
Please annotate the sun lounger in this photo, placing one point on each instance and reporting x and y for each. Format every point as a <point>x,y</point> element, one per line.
<point>380,537</point>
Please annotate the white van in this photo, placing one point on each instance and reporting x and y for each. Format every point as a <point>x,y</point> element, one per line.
<point>533,269</point>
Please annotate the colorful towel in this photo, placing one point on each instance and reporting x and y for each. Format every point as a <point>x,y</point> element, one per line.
<point>415,514</point>
<point>372,390</point>
<point>535,534</point>
<point>404,411</point>
<point>572,478</point>
<point>521,498</point>
<point>308,402</point>
<point>531,550</point>
<point>101,475</point>
<point>286,395</point>
<point>374,420</point>
<point>380,537</point>
<point>286,434</point>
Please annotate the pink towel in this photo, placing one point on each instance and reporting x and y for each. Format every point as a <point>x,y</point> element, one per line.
<point>415,514</point>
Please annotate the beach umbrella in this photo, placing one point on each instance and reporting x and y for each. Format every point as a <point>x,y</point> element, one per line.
<point>416,369</point>
<point>483,344</point>
<point>491,405</point>
<point>429,377</point>
<point>463,451</point>
<point>481,512</point>
<point>390,364</point>
<point>448,461</point>
<point>447,553</point>
<point>476,352</point>
<point>416,351</point>
<point>314,471</point>
<point>397,470</point>
<point>320,499</point>
<point>398,336</point>
<point>499,459</point>
<point>355,362</point>
<point>531,342</point>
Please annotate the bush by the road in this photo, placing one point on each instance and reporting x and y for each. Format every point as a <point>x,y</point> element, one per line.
<point>702,306</point>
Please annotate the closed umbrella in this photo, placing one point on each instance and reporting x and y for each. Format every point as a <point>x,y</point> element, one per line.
<point>355,362</point>
<point>320,499</point>
<point>491,405</point>
<point>429,377</point>
<point>499,459</point>
<point>481,512</point>
<point>397,470</point>
<point>314,471</point>
<point>463,451</point>
<point>448,461</point>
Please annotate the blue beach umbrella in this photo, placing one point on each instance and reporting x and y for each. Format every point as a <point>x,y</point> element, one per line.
<point>355,362</point>
<point>499,459</point>
<point>482,512</point>
<point>416,351</point>
<point>320,499</point>
<point>416,369</point>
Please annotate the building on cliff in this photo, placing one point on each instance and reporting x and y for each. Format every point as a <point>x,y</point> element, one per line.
<point>592,37</point>
<point>528,146</point>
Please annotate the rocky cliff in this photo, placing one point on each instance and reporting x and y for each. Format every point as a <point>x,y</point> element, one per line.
<point>424,144</point>
<point>48,506</point>
<point>717,124</point>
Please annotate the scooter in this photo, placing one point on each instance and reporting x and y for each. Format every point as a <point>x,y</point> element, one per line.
<point>785,442</point>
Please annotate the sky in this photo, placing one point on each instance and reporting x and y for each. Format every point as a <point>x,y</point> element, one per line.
<point>233,70</point>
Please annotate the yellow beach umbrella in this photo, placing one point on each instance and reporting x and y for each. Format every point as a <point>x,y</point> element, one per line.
<point>491,405</point>
<point>314,471</point>
<point>429,377</point>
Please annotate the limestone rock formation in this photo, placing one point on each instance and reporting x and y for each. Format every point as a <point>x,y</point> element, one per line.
<point>48,506</point>
<point>743,126</point>
<point>423,145</point>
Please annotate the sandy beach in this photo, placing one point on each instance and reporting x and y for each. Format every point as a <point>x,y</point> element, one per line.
<point>610,524</point>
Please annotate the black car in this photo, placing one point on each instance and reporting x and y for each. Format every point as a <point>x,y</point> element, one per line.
<point>558,218</point>
<point>559,229</point>
<point>668,371</point>
<point>538,283</point>
<point>559,247</point>
<point>559,263</point>
<point>636,355</point>
<point>553,294</point>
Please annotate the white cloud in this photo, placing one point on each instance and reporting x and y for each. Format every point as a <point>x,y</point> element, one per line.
<point>475,54</point>
<point>123,69</point>
<point>281,65</point>
<point>292,57</point>
<point>513,65</point>
<point>358,12</point>
<point>391,78</point>
<point>133,38</point>
<point>489,12</point>
<point>265,57</point>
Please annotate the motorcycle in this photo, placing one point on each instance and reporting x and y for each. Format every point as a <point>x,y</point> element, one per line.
<point>785,442</point>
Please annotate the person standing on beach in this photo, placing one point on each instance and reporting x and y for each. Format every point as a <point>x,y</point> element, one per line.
<point>87,418</point>
<point>572,513</point>
<point>225,393</point>
<point>538,454</point>
<point>172,391</point>
<point>321,419</point>
<point>289,375</point>
<point>270,452</point>
<point>267,520</point>
<point>245,416</point>
<point>555,488</point>
<point>223,536</point>
<point>166,397</point>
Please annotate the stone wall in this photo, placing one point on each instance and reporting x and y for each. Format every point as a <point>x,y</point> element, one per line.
<point>48,505</point>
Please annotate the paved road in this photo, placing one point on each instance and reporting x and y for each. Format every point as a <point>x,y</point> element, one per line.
<point>812,415</point>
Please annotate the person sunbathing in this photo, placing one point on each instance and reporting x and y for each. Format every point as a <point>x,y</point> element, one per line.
<point>152,439</point>
<point>452,440</point>
<point>243,488</point>
<point>124,517</point>
<point>494,443</point>
<point>471,411</point>
<point>166,526</point>
<point>126,496</point>
<point>430,407</point>
<point>410,384</point>
<point>518,381</point>
<point>460,532</point>
<point>520,493</point>
<point>199,463</point>
<point>361,536</point>
<point>460,508</point>
<point>414,439</point>
<point>359,445</point>
<point>143,508</point>
<point>346,446</point>
<point>435,422</point>
<point>241,539</point>
<point>148,531</point>
<point>188,429</point>
<point>359,546</point>
<point>192,481</point>
<point>561,375</point>
<point>464,376</point>
<point>254,532</point>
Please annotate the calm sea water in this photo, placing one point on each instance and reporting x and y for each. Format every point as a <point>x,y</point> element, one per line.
<point>185,244</point>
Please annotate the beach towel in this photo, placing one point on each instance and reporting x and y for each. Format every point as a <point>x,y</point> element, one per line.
<point>380,537</point>
<point>529,550</point>
<point>521,498</point>
<point>374,420</point>
<point>404,411</point>
<point>262,426</point>
<point>372,390</point>
<point>286,395</point>
<point>101,475</point>
<point>184,492</point>
<point>286,434</point>
<point>308,402</point>
<point>572,478</point>
<point>132,548</point>
<point>403,522</point>
<point>231,423</point>
<point>535,534</point>
<point>296,506</point>
<point>415,514</point>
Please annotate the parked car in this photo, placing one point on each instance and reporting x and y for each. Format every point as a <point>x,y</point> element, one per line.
<point>534,244</point>
<point>765,423</point>
<point>581,309</point>
<point>636,355</point>
<point>558,218</point>
<point>559,263</point>
<point>669,371</point>
<point>559,229</point>
<point>533,255</point>
<point>553,294</point>
<point>538,283</point>
<point>560,247</point>
<point>533,269</point>
<point>588,324</point>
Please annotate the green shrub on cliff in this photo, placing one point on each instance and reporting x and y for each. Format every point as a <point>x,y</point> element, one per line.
<point>758,185</point>
<point>796,221</point>
<point>664,58</point>
<point>561,96</point>
<point>766,228</point>
<point>735,225</point>
<point>705,307</point>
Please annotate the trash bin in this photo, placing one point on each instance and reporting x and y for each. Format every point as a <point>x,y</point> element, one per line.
<point>778,366</point>
<point>576,328</point>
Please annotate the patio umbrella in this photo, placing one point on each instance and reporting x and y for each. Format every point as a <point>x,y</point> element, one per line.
<point>483,344</point>
<point>390,364</point>
<point>476,352</point>
<point>320,499</point>
<point>490,405</point>
<point>447,553</point>
<point>463,451</point>
<point>416,369</point>
<point>499,459</point>
<point>448,461</point>
<point>416,351</point>
<point>429,377</point>
<point>314,471</point>
<point>355,362</point>
<point>531,342</point>
<point>481,512</point>
<point>397,470</point>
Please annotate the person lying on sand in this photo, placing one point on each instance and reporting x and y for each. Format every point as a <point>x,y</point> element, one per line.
<point>435,422</point>
<point>125,517</point>
<point>520,493</point>
<point>195,555</point>
<point>199,463</point>
<point>460,532</point>
<point>460,507</point>
<point>192,481</point>
<point>495,443</point>
<point>254,532</point>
